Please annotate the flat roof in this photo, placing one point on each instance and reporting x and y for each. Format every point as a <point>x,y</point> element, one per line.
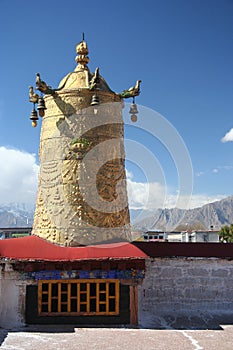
<point>186,249</point>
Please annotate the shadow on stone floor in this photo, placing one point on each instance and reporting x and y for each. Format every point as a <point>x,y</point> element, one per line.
<point>48,328</point>
<point>166,322</point>
<point>62,328</point>
<point>192,322</point>
<point>3,335</point>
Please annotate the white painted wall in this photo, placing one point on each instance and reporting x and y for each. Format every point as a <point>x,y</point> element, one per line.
<point>177,287</point>
<point>12,298</point>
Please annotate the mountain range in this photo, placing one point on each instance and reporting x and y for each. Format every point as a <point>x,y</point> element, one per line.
<point>15,215</point>
<point>213,215</point>
<point>210,216</point>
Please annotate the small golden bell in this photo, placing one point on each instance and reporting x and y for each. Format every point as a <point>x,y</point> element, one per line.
<point>34,117</point>
<point>41,106</point>
<point>133,109</point>
<point>95,100</point>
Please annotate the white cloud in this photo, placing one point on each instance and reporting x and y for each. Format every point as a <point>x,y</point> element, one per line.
<point>145,195</point>
<point>200,173</point>
<point>149,196</point>
<point>129,174</point>
<point>18,176</point>
<point>216,170</point>
<point>198,200</point>
<point>228,136</point>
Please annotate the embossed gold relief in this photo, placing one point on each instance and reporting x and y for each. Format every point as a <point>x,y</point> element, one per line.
<point>73,162</point>
<point>65,215</point>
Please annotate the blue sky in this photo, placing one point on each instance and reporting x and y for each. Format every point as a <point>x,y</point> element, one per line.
<point>182,50</point>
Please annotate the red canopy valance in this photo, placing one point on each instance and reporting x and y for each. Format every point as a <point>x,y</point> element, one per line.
<point>35,248</point>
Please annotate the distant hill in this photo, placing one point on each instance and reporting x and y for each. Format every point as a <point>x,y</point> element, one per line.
<point>214,214</point>
<point>14,215</point>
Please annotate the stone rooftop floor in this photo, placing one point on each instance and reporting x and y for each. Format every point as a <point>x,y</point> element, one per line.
<point>70,338</point>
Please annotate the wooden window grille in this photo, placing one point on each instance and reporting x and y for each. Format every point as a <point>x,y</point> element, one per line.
<point>78,297</point>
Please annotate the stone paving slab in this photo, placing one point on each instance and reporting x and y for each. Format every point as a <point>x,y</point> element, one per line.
<point>51,338</point>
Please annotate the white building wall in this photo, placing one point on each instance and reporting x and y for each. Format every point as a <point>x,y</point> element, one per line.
<point>172,288</point>
<point>12,298</point>
<point>184,287</point>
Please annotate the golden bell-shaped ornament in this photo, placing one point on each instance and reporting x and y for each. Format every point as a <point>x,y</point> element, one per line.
<point>95,100</point>
<point>133,109</point>
<point>41,106</point>
<point>34,118</point>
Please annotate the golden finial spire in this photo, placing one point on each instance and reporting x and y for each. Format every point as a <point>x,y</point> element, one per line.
<point>82,59</point>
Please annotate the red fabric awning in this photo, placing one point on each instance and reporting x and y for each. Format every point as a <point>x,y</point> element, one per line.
<point>35,248</point>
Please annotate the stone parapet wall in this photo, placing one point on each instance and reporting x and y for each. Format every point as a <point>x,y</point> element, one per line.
<point>186,287</point>
<point>12,296</point>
